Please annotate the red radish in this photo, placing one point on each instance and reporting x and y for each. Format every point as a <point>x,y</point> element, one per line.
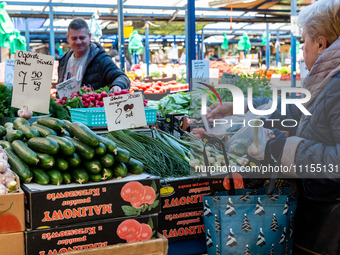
<point>64,98</point>
<point>124,92</point>
<point>92,94</point>
<point>103,94</point>
<point>87,100</point>
<point>101,104</point>
<point>111,95</point>
<point>116,93</point>
<point>86,105</point>
<point>89,89</point>
<point>85,96</point>
<point>92,98</point>
<point>98,97</point>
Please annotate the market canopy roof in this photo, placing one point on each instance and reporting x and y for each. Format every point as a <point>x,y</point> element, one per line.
<point>205,10</point>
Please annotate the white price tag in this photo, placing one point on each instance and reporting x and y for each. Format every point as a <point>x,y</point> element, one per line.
<point>9,72</point>
<point>294,25</point>
<point>200,73</point>
<point>32,81</point>
<point>124,111</point>
<point>67,88</point>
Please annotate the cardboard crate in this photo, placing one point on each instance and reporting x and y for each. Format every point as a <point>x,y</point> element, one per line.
<point>12,243</point>
<point>93,234</point>
<point>182,224</point>
<point>51,206</point>
<point>158,246</point>
<point>187,193</point>
<point>12,212</point>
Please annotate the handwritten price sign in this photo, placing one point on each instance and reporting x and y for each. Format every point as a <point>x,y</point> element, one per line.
<point>124,111</point>
<point>32,81</point>
<point>200,73</point>
<point>67,88</point>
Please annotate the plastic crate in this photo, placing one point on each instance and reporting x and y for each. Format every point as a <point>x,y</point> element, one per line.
<point>95,117</point>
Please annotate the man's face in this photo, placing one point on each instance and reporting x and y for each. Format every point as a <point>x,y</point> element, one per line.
<point>79,41</point>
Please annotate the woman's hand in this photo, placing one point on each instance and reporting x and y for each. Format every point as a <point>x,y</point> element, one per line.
<point>116,89</point>
<point>220,111</point>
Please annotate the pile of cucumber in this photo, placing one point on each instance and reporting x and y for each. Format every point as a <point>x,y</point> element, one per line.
<point>53,151</point>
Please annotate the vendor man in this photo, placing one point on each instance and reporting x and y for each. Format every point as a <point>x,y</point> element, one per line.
<point>88,61</point>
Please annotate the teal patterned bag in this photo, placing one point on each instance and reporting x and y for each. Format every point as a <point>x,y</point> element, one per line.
<point>248,223</point>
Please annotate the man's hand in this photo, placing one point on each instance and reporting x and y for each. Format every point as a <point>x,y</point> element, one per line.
<point>220,111</point>
<point>116,89</point>
<point>274,147</point>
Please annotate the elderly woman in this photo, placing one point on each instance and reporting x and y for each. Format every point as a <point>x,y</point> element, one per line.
<point>315,150</point>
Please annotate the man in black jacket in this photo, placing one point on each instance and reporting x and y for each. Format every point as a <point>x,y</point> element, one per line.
<point>88,61</point>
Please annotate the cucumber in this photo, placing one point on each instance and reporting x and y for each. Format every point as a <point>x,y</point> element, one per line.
<point>120,170</point>
<point>56,178</point>
<point>13,135</point>
<point>74,160</point>
<point>28,131</point>
<point>53,123</point>
<point>44,131</point>
<point>123,156</point>
<point>111,146</point>
<point>96,177</point>
<point>46,161</point>
<point>93,166</point>
<point>85,151</point>
<point>43,145</point>
<point>67,125</point>
<point>80,176</point>
<point>5,144</point>
<point>65,133</point>
<point>61,164</point>
<point>2,131</point>
<point>66,177</point>
<point>19,167</point>
<point>66,147</point>
<point>100,149</point>
<point>20,121</point>
<point>107,174</point>
<point>84,134</point>
<point>40,176</point>
<point>107,160</point>
<point>134,166</point>
<point>8,125</point>
<point>24,153</point>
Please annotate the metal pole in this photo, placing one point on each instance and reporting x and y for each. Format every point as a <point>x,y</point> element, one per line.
<point>147,50</point>
<point>277,49</point>
<point>202,47</point>
<point>267,47</point>
<point>27,34</point>
<point>198,47</point>
<point>52,49</point>
<point>293,47</point>
<point>121,34</point>
<point>186,43</point>
<point>191,37</point>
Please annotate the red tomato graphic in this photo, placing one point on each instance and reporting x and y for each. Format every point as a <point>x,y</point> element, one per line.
<point>129,230</point>
<point>238,181</point>
<point>146,232</point>
<point>149,196</point>
<point>132,192</point>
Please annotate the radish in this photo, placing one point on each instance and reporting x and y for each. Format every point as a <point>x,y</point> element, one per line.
<point>92,98</point>
<point>111,95</point>
<point>116,93</point>
<point>124,92</point>
<point>101,104</point>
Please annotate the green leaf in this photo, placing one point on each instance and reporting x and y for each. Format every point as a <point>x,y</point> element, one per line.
<point>153,234</point>
<point>150,222</point>
<point>130,211</point>
<point>154,204</point>
<point>154,186</point>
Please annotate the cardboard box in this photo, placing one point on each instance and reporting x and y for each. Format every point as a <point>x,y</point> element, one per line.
<point>182,224</point>
<point>158,246</point>
<point>51,206</point>
<point>12,212</point>
<point>12,243</point>
<point>187,193</point>
<point>89,235</point>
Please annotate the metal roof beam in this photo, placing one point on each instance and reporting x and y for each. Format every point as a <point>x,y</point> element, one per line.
<point>136,7</point>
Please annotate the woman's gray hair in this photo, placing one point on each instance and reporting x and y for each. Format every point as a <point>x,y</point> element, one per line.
<point>321,18</point>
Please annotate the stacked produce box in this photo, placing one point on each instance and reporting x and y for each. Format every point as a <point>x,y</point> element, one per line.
<point>12,220</point>
<point>52,158</point>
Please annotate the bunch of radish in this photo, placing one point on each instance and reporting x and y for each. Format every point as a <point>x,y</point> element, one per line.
<point>91,98</point>
<point>8,182</point>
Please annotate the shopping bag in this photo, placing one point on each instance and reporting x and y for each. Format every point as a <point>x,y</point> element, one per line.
<point>249,221</point>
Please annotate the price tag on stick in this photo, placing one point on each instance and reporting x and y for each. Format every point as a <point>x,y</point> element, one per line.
<point>124,111</point>
<point>67,88</point>
<point>32,81</point>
